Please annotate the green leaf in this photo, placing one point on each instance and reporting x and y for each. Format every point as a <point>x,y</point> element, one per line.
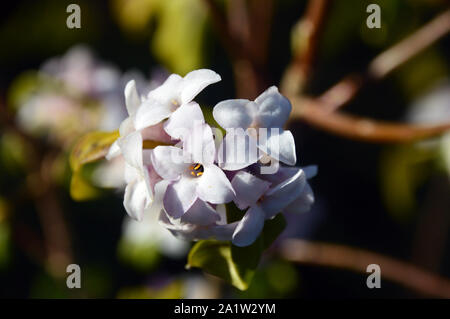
<point>91,147</point>
<point>235,265</point>
<point>81,189</point>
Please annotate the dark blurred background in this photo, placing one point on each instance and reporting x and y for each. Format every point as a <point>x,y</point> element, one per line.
<point>392,199</point>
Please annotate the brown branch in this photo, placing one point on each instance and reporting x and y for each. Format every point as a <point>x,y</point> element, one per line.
<point>360,128</point>
<point>339,256</point>
<point>309,29</point>
<point>345,90</point>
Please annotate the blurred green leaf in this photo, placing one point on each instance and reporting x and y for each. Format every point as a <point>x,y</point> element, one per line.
<point>235,265</point>
<point>172,290</point>
<point>91,147</point>
<point>142,257</point>
<point>5,235</point>
<point>178,39</point>
<point>403,169</point>
<point>81,189</point>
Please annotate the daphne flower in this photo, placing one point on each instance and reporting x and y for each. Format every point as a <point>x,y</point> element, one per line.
<point>266,198</point>
<point>246,120</point>
<point>191,172</point>
<point>174,92</point>
<point>190,227</point>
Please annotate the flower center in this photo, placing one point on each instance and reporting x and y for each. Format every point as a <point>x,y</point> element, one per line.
<point>196,170</point>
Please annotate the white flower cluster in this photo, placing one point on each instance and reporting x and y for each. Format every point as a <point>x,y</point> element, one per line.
<point>194,171</point>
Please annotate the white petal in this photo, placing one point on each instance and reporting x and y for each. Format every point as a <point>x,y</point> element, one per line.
<point>131,146</point>
<point>200,213</point>
<point>136,199</point>
<point>132,99</point>
<point>114,151</point>
<point>168,161</point>
<point>194,82</point>
<point>279,197</point>
<point>199,144</point>
<point>152,112</point>
<point>180,196</point>
<point>183,119</point>
<point>169,90</point>
<point>238,150</point>
<point>249,227</point>
<point>248,189</point>
<point>233,114</point>
<point>214,187</point>
<point>281,147</point>
<point>127,126</point>
<point>273,108</point>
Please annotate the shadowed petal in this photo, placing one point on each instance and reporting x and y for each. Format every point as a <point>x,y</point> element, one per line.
<point>303,203</point>
<point>200,213</point>
<point>168,161</point>
<point>249,227</point>
<point>279,197</point>
<point>180,196</point>
<point>248,189</point>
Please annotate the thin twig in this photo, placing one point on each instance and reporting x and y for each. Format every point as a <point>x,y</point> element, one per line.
<point>308,30</point>
<point>360,128</point>
<point>339,256</point>
<point>345,90</point>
